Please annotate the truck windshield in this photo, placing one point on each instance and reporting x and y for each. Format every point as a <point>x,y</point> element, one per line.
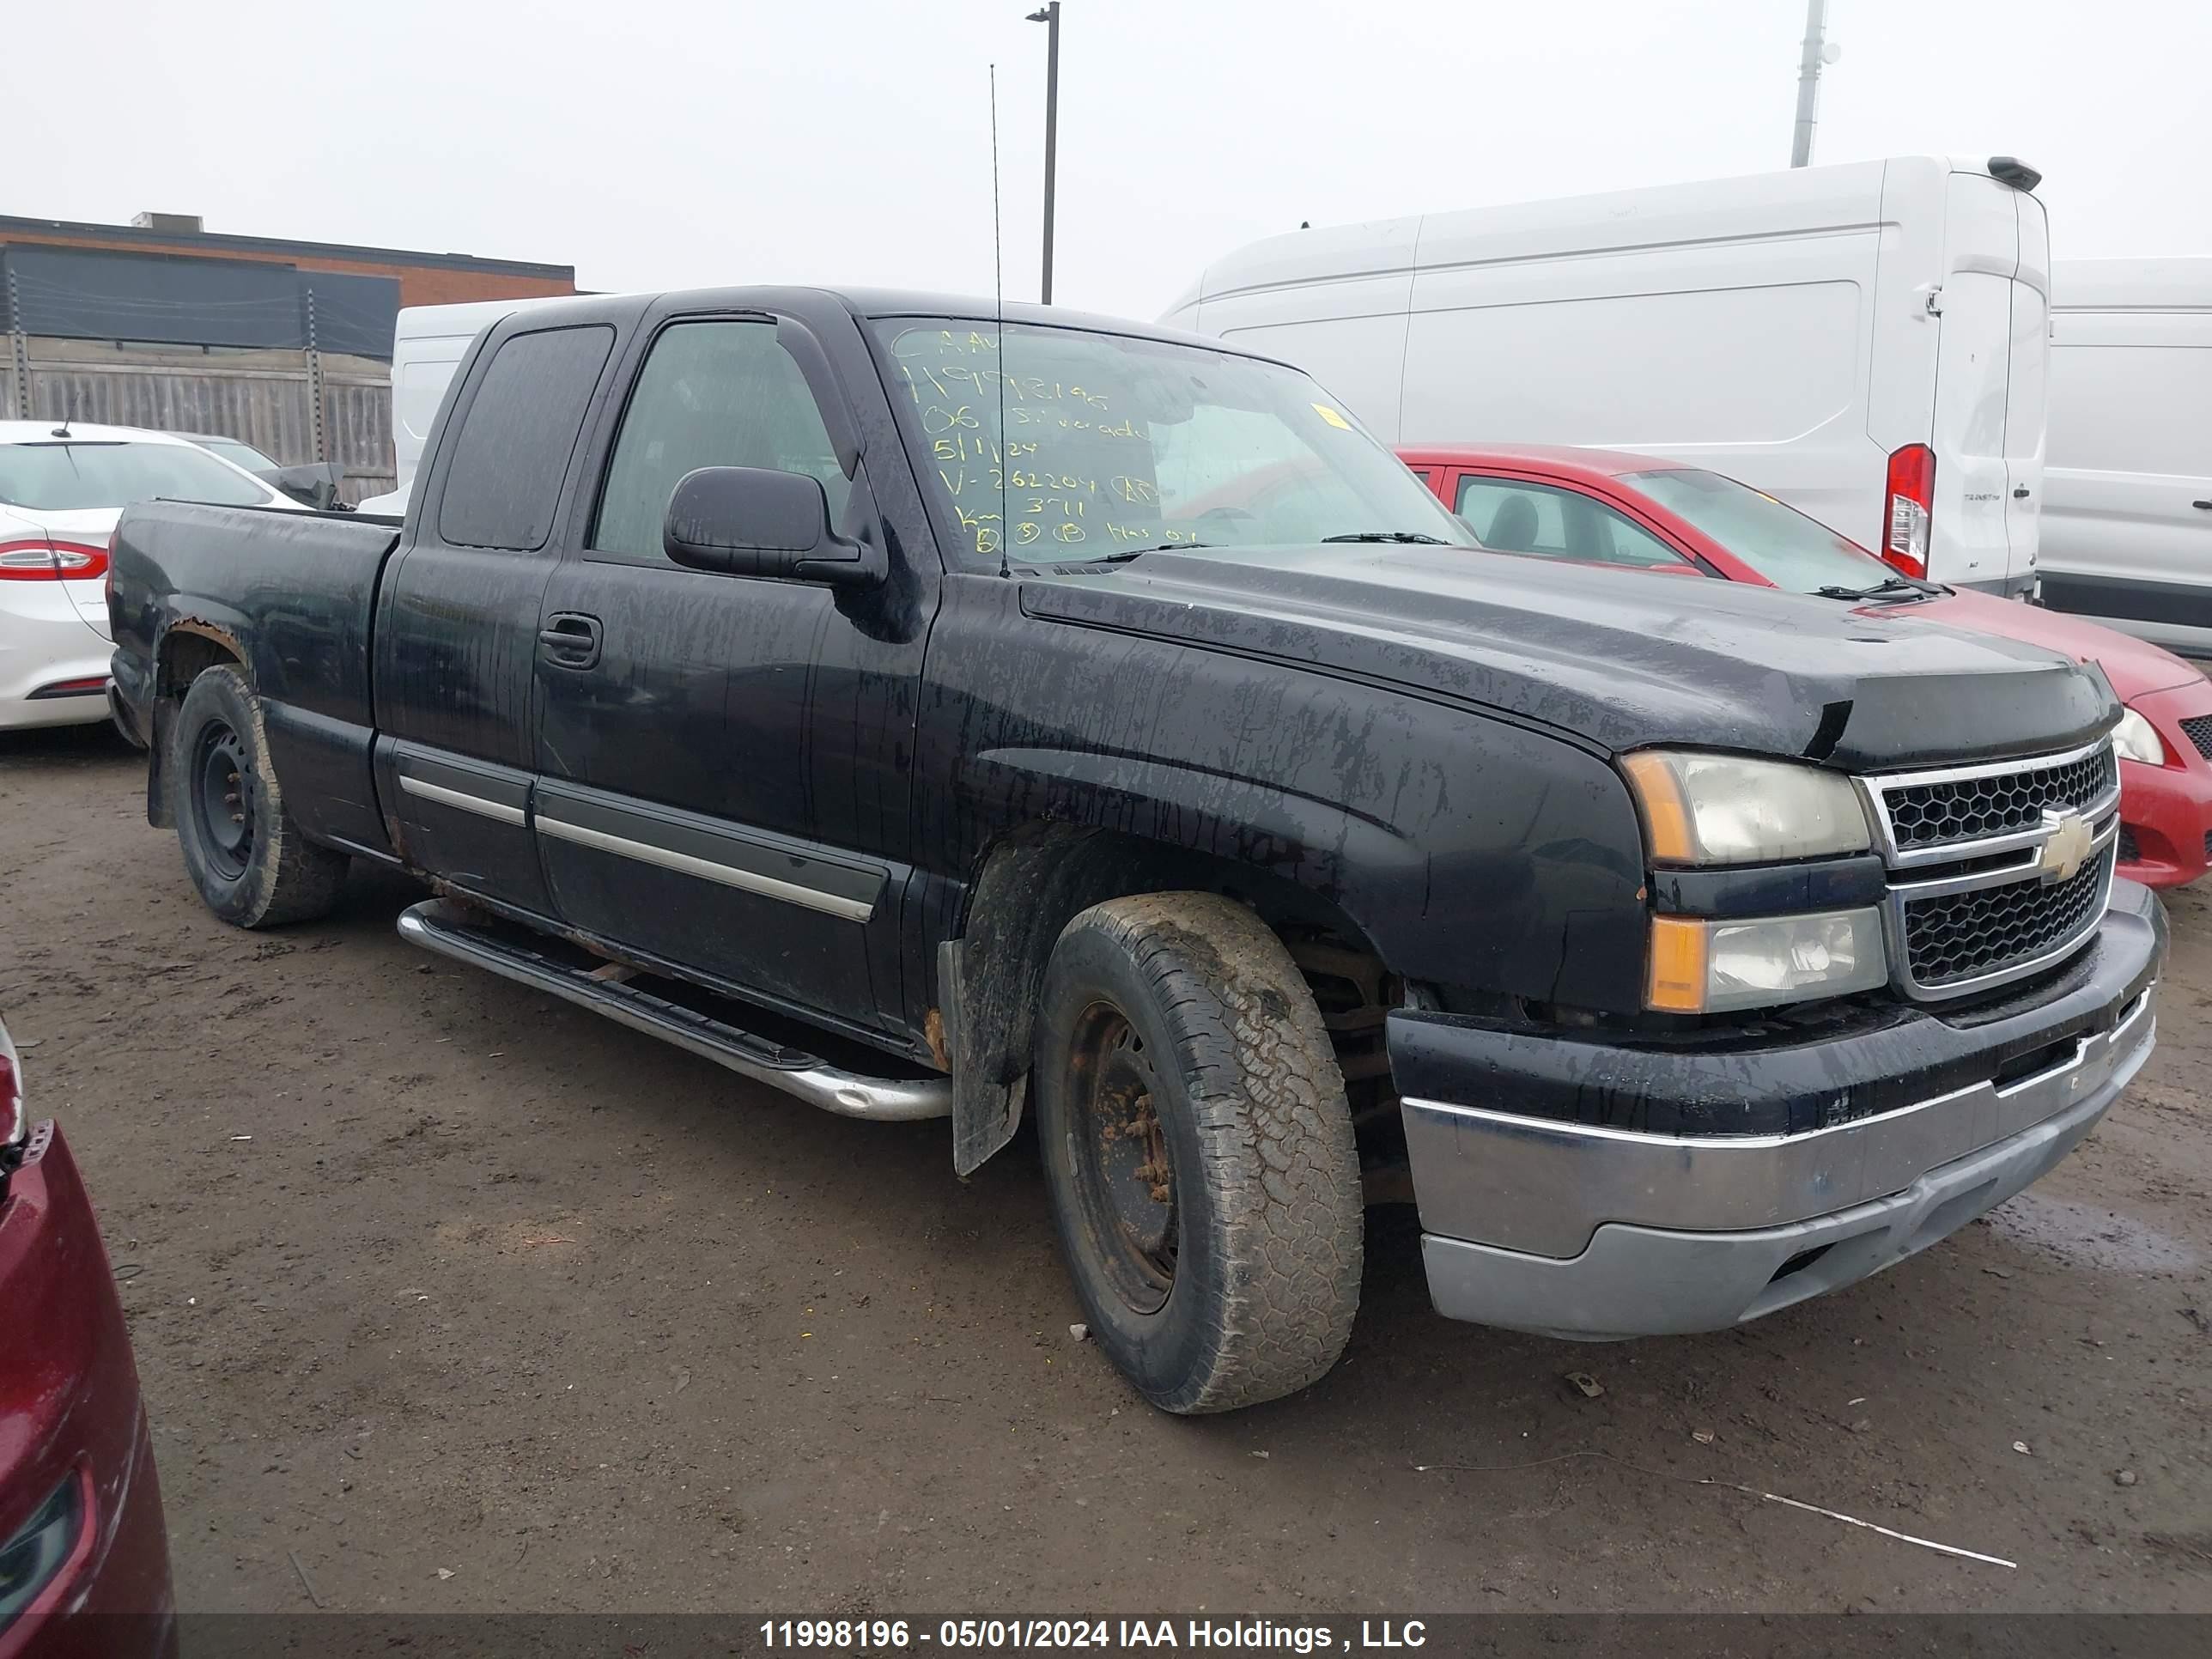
<point>1113,444</point>
<point>62,476</point>
<point>1781,544</point>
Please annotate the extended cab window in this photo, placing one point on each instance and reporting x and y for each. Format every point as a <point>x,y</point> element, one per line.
<point>1510,517</point>
<point>711,394</point>
<point>512,449</point>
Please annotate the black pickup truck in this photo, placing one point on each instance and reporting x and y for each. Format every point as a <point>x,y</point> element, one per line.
<point>936,713</point>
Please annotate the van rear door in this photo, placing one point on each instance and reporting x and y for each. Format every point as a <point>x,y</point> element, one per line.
<point>1969,539</point>
<point>2027,388</point>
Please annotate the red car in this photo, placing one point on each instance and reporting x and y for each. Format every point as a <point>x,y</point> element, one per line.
<point>84,1556</point>
<point>1605,507</point>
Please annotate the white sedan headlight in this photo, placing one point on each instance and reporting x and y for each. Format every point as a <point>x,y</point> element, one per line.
<point>2137,739</point>
<point>1726,809</point>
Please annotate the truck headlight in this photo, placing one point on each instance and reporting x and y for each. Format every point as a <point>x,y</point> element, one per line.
<point>1726,809</point>
<point>2137,739</point>
<point>1708,966</point>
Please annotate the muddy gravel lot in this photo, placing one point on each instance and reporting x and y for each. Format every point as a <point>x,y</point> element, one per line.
<point>470,1301</point>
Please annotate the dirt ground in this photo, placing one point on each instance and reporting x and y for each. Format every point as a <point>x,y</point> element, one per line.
<point>504,1307</point>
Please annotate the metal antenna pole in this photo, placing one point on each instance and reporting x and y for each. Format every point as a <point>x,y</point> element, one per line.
<point>1808,82</point>
<point>1049,16</point>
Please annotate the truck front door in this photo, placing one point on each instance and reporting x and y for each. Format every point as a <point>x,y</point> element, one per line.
<point>726,761</point>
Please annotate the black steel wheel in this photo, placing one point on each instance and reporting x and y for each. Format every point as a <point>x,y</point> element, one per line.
<point>1124,1172</point>
<point>221,799</point>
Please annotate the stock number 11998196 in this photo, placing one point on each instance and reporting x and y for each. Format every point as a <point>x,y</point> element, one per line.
<point>859,1635</point>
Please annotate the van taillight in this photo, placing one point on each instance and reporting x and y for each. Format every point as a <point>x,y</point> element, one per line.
<point>51,560</point>
<point>1911,499</point>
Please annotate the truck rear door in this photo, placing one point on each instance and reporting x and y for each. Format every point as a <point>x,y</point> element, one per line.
<point>1969,537</point>
<point>456,637</point>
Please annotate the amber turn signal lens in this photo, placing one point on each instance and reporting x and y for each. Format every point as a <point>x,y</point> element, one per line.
<point>1678,965</point>
<point>1666,814</point>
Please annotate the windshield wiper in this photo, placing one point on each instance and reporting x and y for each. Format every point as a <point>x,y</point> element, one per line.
<point>1887,585</point>
<point>1388,536</point>
<point>1121,557</point>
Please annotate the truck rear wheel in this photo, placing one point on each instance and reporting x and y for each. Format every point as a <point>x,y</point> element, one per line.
<point>1198,1151</point>
<point>250,863</point>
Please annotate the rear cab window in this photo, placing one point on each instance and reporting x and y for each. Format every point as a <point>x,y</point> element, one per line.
<point>512,449</point>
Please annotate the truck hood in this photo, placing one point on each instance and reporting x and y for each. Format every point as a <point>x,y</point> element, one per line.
<point>1605,656</point>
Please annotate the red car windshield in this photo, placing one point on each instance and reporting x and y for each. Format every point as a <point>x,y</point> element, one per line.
<point>1781,544</point>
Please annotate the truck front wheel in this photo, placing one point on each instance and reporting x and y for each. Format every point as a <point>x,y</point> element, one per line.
<point>250,863</point>
<point>1198,1151</point>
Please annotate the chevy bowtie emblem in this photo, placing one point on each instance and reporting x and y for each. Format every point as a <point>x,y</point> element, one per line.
<point>2067,850</point>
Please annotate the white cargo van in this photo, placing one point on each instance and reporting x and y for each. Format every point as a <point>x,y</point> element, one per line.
<point>1868,342</point>
<point>2127,511</point>
<point>428,345</point>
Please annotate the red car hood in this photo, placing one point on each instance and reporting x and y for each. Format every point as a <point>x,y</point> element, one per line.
<point>2133,667</point>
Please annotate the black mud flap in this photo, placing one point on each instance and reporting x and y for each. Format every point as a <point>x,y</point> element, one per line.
<point>985,1112</point>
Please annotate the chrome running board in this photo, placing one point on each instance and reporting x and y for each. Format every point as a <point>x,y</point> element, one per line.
<point>437,926</point>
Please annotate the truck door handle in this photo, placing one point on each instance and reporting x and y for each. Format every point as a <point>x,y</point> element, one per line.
<point>570,639</point>
<point>2206,506</point>
<point>2020,493</point>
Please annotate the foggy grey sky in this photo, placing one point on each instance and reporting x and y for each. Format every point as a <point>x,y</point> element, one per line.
<point>659,143</point>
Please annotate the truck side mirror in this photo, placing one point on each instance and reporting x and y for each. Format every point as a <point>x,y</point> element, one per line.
<point>755,521</point>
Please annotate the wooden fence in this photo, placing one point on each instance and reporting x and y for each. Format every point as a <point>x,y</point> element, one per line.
<point>264,396</point>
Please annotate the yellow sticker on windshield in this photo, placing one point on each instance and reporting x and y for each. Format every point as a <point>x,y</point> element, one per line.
<point>1332,416</point>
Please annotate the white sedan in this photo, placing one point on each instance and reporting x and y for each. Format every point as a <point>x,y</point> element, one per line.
<point>61,489</point>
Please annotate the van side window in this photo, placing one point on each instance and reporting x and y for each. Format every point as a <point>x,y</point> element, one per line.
<point>1509,516</point>
<point>710,394</point>
<point>513,448</point>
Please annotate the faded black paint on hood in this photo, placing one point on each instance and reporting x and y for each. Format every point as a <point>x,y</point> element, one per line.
<point>1621,658</point>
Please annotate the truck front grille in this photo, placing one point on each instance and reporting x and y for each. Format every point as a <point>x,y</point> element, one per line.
<point>1987,802</point>
<point>1963,937</point>
<point>1996,872</point>
<point>2198,730</point>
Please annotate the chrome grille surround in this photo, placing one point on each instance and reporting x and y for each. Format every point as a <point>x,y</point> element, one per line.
<point>1989,841</point>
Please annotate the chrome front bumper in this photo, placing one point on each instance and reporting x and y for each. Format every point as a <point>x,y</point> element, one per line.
<point>1575,1230</point>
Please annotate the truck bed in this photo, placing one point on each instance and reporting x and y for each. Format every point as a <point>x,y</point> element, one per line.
<point>291,594</point>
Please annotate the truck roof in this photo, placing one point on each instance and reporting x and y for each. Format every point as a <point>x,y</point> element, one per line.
<point>876,302</point>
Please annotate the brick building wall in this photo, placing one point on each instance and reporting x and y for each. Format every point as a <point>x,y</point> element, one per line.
<point>425,279</point>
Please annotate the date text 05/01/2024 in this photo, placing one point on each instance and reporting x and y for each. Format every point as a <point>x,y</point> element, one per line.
<point>863,1635</point>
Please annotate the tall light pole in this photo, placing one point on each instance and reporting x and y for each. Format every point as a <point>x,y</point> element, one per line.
<point>1816,53</point>
<point>1049,16</point>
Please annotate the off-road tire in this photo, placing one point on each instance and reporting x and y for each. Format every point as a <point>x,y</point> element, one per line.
<point>1249,1108</point>
<point>278,875</point>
